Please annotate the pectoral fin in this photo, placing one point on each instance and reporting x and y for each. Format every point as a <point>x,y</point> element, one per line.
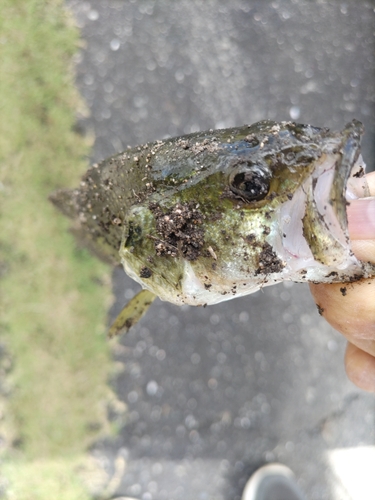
<point>131,313</point>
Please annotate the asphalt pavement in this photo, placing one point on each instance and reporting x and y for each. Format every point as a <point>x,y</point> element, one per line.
<point>212,393</point>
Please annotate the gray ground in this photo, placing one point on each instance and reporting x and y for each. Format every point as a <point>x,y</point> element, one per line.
<point>213,393</point>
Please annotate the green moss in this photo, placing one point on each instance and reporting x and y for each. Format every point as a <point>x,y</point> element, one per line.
<point>43,479</point>
<point>54,296</point>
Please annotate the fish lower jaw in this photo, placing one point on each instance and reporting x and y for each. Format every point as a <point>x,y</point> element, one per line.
<point>194,291</point>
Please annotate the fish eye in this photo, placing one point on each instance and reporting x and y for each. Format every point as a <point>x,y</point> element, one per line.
<point>250,182</point>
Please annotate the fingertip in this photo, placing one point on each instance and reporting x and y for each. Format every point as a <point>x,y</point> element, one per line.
<point>371,183</point>
<point>331,303</point>
<point>361,219</point>
<point>349,308</point>
<point>360,368</point>
<point>364,250</point>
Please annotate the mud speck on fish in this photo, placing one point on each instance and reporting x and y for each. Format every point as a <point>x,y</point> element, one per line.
<point>269,262</point>
<point>179,230</point>
<point>145,273</point>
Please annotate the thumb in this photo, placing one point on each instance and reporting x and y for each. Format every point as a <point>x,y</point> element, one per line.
<point>361,222</point>
<point>361,219</point>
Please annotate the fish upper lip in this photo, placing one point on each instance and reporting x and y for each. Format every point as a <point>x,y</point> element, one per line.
<point>349,153</point>
<point>350,146</point>
<point>350,150</point>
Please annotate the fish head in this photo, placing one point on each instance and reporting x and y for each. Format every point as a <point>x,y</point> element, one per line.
<point>229,211</point>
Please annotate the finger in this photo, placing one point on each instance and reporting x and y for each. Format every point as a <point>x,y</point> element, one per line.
<point>371,182</point>
<point>361,223</point>
<point>360,367</point>
<point>364,250</point>
<point>361,219</point>
<point>349,309</point>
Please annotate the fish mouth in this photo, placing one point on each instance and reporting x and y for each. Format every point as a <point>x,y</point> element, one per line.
<point>338,179</point>
<point>314,223</point>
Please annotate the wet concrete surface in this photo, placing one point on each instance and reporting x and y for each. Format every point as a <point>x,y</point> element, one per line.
<point>214,392</point>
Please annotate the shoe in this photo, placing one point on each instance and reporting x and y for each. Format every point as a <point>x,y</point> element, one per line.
<point>272,482</point>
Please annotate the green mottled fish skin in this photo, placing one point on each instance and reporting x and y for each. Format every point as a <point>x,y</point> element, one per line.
<point>162,205</point>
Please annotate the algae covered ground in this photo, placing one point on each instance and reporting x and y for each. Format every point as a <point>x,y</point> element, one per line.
<point>54,295</point>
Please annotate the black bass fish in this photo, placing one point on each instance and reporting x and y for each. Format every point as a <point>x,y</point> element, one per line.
<point>214,215</point>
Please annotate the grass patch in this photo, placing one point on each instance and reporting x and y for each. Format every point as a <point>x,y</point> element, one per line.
<point>54,296</point>
<point>59,479</point>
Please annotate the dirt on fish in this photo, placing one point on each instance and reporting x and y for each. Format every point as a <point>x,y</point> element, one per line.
<point>179,230</point>
<point>145,272</point>
<point>269,262</point>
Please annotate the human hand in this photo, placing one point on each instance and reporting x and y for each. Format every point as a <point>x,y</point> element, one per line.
<point>350,308</point>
